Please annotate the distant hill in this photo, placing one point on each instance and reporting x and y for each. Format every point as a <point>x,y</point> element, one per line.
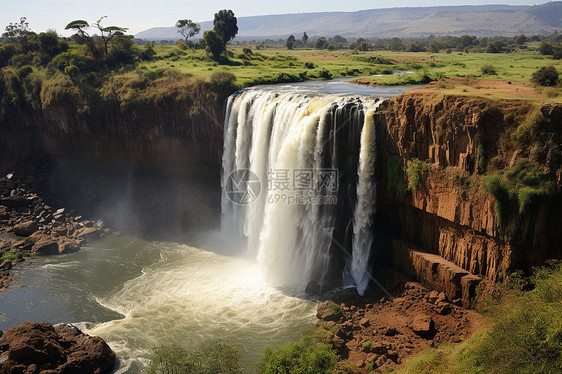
<point>480,20</point>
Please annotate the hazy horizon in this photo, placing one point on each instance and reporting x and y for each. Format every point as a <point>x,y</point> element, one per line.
<point>141,15</point>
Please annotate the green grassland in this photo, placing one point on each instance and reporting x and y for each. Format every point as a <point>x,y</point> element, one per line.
<point>274,65</point>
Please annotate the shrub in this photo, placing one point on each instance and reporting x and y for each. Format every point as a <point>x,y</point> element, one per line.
<point>325,74</point>
<point>494,185</point>
<point>215,358</point>
<point>416,171</point>
<point>546,48</point>
<point>488,70</point>
<point>9,256</point>
<point>223,84</point>
<point>545,76</point>
<point>24,71</point>
<point>309,65</point>
<point>308,356</point>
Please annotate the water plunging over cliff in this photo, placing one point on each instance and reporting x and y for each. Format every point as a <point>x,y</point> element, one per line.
<point>298,184</point>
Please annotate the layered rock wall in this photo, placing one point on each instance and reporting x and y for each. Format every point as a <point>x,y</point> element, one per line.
<point>441,215</point>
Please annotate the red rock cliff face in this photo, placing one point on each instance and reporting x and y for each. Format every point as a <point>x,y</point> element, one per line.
<point>442,217</point>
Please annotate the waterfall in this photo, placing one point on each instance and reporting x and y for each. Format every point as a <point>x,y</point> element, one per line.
<point>298,184</point>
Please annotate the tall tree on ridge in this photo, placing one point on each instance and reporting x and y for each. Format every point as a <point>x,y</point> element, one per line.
<point>225,25</point>
<point>187,28</point>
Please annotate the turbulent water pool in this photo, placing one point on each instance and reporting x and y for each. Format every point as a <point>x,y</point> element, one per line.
<point>140,294</point>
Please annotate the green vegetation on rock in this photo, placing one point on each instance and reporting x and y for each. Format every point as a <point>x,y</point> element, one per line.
<point>416,171</point>
<point>214,358</point>
<point>308,356</point>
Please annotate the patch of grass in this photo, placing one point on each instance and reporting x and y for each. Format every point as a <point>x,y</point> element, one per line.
<point>9,256</point>
<point>214,358</point>
<point>521,187</point>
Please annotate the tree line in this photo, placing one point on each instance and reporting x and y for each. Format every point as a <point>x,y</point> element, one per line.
<point>551,44</point>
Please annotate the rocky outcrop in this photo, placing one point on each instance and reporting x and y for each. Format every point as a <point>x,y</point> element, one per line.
<point>456,283</point>
<point>444,215</point>
<point>381,333</point>
<point>44,348</point>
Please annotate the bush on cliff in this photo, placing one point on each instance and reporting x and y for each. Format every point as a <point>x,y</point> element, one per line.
<point>518,189</point>
<point>308,356</point>
<point>416,171</point>
<point>214,358</point>
<point>223,84</point>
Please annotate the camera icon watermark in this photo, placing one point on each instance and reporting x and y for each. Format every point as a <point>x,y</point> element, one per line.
<point>284,186</point>
<point>243,186</point>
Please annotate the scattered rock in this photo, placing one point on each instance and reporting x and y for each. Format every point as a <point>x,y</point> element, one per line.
<point>433,295</point>
<point>443,308</point>
<point>26,228</point>
<point>422,325</point>
<point>441,298</point>
<point>31,347</point>
<point>89,233</point>
<point>45,246</point>
<point>391,332</point>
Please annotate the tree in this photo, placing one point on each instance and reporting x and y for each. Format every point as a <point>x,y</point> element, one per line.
<point>546,49</point>
<point>396,44</point>
<point>79,26</point>
<point>520,39</point>
<point>225,25</point>
<point>106,35</point>
<point>215,44</point>
<point>50,44</point>
<point>545,76</point>
<point>304,38</point>
<point>321,43</point>
<point>339,39</point>
<point>19,32</point>
<point>290,42</point>
<point>187,28</point>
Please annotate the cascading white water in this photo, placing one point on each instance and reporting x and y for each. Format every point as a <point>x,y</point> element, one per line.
<point>277,134</point>
<point>365,210</point>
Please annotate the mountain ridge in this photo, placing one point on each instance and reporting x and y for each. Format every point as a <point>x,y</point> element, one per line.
<point>479,20</point>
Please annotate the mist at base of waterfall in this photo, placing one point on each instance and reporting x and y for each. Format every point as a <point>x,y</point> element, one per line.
<point>139,294</point>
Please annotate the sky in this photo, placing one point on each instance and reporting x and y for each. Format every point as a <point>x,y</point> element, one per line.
<point>139,15</point>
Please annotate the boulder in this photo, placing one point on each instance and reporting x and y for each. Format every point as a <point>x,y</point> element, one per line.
<point>53,349</point>
<point>328,311</point>
<point>45,246</point>
<point>89,233</point>
<point>26,228</point>
<point>423,325</point>
<point>68,245</point>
